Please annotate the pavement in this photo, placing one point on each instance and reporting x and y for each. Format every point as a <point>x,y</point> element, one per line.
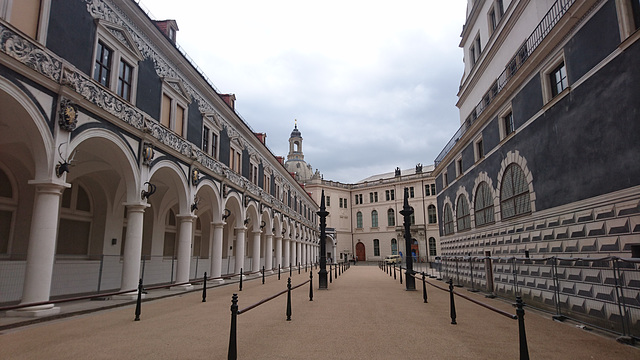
<point>364,314</point>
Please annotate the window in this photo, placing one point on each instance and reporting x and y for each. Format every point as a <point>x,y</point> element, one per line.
<point>474,50</point>
<point>391,217</point>
<point>394,247</point>
<point>448,220</point>
<point>374,218</point>
<point>411,192</point>
<point>514,193</point>
<point>74,228</point>
<point>29,16</point>
<point>327,200</point>
<point>426,190</point>
<point>358,200</point>
<point>462,214</point>
<point>370,197</point>
<point>376,247</point>
<point>506,125</point>
<point>493,20</point>
<point>459,167</point>
<point>483,205</point>
<point>235,160</point>
<point>174,105</point>
<point>478,149</point>
<point>375,196</point>
<point>432,247</point>
<point>125,75</point>
<point>390,195</point>
<point>116,60</point>
<point>500,7</point>
<point>214,145</point>
<point>102,66</point>
<point>412,217</point>
<point>445,179</point>
<point>205,139</point>
<point>431,214</point>
<point>359,220</point>
<point>341,203</point>
<point>345,203</point>
<point>8,206</point>
<point>558,80</point>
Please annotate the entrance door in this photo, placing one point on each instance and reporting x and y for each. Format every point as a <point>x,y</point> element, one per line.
<point>360,252</point>
<point>414,250</point>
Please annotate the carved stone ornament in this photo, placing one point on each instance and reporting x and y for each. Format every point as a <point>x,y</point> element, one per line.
<point>147,153</point>
<point>68,115</point>
<point>194,176</point>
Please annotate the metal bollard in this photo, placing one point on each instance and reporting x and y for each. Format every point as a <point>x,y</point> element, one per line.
<point>394,272</point>
<point>233,344</point>
<point>139,302</point>
<point>262,275</point>
<point>299,265</point>
<point>424,289</point>
<point>290,270</point>
<point>240,279</point>
<point>330,275</point>
<point>453,303</point>
<point>204,288</point>
<point>400,274</point>
<point>289,299</point>
<point>311,286</point>
<point>524,349</point>
<point>278,271</point>
<point>336,270</point>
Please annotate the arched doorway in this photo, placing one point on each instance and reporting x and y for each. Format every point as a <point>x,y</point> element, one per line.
<point>360,252</point>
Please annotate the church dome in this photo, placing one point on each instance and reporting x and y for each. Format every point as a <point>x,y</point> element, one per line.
<point>296,132</point>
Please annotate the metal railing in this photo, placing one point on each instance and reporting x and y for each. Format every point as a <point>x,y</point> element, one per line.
<point>551,18</point>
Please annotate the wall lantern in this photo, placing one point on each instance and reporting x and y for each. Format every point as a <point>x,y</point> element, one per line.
<point>151,189</point>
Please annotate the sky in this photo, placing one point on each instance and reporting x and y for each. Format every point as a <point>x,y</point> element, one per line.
<point>372,84</point>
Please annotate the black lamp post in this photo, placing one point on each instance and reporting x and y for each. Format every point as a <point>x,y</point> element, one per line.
<point>406,213</point>
<point>322,274</point>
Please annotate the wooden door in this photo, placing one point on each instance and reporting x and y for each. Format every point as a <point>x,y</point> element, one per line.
<point>360,252</point>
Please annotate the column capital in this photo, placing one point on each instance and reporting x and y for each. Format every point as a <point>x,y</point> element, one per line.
<point>136,206</point>
<point>48,186</point>
<point>186,217</point>
<point>218,225</point>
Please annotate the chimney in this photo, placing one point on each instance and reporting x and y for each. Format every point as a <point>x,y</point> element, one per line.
<point>262,137</point>
<point>169,28</point>
<point>280,159</point>
<point>230,99</point>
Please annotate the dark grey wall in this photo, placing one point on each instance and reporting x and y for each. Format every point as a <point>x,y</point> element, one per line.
<point>149,92</point>
<point>72,33</point>
<point>194,125</point>
<point>224,147</point>
<point>587,143</point>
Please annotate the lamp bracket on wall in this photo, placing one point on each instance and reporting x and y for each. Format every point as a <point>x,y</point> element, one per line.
<point>226,214</point>
<point>151,189</point>
<point>196,201</point>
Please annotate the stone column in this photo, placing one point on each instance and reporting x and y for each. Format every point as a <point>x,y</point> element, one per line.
<point>132,249</point>
<point>278,251</point>
<point>255,263</point>
<point>185,238</point>
<point>287,253</point>
<point>41,251</point>
<point>294,259</point>
<point>216,252</point>
<point>268,253</point>
<point>240,234</point>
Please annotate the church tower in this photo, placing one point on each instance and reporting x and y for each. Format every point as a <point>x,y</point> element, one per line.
<point>295,159</point>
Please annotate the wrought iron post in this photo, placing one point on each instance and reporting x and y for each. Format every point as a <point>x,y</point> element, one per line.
<point>452,303</point>
<point>322,274</point>
<point>262,275</point>
<point>240,279</point>
<point>139,301</point>
<point>233,344</point>
<point>289,299</point>
<point>406,213</point>
<point>524,350</point>
<point>424,289</point>
<point>311,286</point>
<point>204,288</point>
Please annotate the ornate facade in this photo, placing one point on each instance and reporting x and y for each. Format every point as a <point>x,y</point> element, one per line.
<point>541,178</point>
<point>120,160</point>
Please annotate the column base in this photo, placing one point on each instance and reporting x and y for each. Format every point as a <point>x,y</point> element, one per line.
<point>185,287</point>
<point>218,281</point>
<point>34,311</point>
<point>133,295</point>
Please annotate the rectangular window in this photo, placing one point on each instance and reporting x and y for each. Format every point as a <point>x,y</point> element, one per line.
<point>238,162</point>
<point>635,8</point>
<point>387,195</point>
<point>340,203</point>
<point>411,192</point>
<point>25,15</point>
<point>165,118</point>
<point>370,197</point>
<point>102,67</point>
<point>214,145</point>
<point>472,55</point>
<point>459,167</point>
<point>478,48</point>
<point>345,203</point>
<point>125,75</point>
<point>357,200</point>
<point>480,149</point>
<point>426,190</point>
<point>361,202</point>
<point>328,200</point>
<point>433,189</point>
<point>558,78</point>
<point>500,7</point>
<point>375,196</point>
<point>393,194</point>
<point>376,247</point>
<point>493,21</point>
<point>205,139</point>
<point>508,123</point>
<point>445,180</point>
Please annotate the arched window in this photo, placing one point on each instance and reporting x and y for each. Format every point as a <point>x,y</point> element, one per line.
<point>483,205</point>
<point>431,213</point>
<point>448,220</point>
<point>359,220</point>
<point>374,218</point>
<point>75,222</point>
<point>376,247</point>
<point>432,246</point>
<point>394,247</point>
<point>462,213</point>
<point>514,192</point>
<point>391,217</point>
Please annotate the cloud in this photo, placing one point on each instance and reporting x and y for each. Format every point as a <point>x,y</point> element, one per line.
<point>373,84</point>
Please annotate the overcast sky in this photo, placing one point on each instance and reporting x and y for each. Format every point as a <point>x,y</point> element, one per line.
<point>372,84</point>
